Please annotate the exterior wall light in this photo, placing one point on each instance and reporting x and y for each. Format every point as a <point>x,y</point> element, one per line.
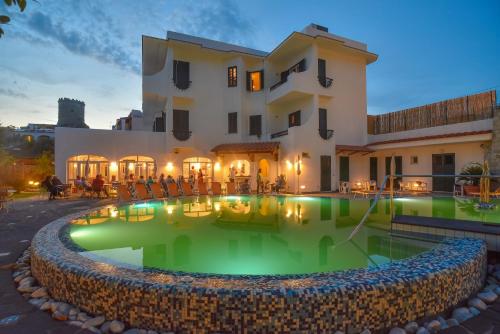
<point>217,166</point>
<point>289,165</point>
<point>169,167</point>
<point>302,187</point>
<point>113,166</point>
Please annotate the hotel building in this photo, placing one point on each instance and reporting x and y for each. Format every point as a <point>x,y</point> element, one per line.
<point>299,110</point>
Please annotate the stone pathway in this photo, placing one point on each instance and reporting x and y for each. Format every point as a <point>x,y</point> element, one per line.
<point>486,322</point>
<point>17,228</point>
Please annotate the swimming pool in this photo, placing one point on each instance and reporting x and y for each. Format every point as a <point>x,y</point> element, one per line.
<point>243,235</point>
<point>262,264</point>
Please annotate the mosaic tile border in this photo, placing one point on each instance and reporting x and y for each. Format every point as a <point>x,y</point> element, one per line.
<point>351,300</point>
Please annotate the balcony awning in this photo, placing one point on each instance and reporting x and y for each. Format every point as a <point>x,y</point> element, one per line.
<point>352,149</point>
<point>235,148</point>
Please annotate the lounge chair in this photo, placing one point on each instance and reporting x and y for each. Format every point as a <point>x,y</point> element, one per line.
<point>173,190</point>
<point>186,189</point>
<point>216,188</point>
<point>202,189</point>
<point>141,192</point>
<point>123,193</point>
<point>156,190</point>
<point>230,188</point>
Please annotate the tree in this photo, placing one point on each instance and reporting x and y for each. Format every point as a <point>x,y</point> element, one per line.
<point>44,165</point>
<point>4,19</point>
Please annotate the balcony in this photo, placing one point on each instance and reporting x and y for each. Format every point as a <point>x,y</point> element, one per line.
<point>279,134</point>
<point>325,133</point>
<point>295,85</point>
<point>181,135</point>
<point>324,81</point>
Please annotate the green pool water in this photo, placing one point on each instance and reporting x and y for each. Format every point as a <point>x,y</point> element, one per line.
<point>253,235</point>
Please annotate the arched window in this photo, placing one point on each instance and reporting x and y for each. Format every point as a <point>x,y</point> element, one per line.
<point>87,166</point>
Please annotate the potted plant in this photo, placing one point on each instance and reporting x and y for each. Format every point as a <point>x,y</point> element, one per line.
<point>471,183</point>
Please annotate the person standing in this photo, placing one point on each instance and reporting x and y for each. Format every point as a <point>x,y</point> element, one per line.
<point>260,182</point>
<point>200,176</point>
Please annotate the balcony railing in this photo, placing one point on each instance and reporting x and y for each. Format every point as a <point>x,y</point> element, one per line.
<point>325,81</point>
<point>182,84</point>
<point>279,134</point>
<point>325,133</point>
<point>181,134</point>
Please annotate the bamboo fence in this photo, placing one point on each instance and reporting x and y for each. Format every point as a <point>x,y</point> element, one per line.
<point>462,109</point>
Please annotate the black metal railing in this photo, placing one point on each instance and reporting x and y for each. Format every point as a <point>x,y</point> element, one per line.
<point>279,134</point>
<point>325,81</point>
<point>276,85</point>
<point>181,134</point>
<point>325,133</point>
<point>182,84</point>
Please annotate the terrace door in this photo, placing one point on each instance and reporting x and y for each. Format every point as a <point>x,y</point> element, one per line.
<point>373,169</point>
<point>326,173</point>
<point>443,164</point>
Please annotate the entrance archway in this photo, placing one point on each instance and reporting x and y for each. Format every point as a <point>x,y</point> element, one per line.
<point>264,167</point>
<point>197,163</point>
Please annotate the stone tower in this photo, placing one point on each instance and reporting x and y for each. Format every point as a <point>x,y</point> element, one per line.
<point>71,113</point>
<point>494,156</point>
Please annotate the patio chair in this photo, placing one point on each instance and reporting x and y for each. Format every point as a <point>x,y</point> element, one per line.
<point>173,190</point>
<point>156,190</point>
<point>495,193</point>
<point>141,192</point>
<point>202,189</point>
<point>186,189</point>
<point>216,188</point>
<point>123,194</point>
<point>230,188</point>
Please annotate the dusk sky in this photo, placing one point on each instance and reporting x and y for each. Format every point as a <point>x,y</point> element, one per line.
<point>91,50</point>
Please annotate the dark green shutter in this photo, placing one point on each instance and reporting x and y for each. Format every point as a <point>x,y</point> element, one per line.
<point>321,68</point>
<point>373,168</point>
<point>261,79</point>
<point>344,169</point>
<point>322,119</point>
<point>249,82</point>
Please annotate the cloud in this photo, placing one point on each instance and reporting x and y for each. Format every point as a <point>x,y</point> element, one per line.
<point>218,19</point>
<point>11,93</point>
<point>83,42</point>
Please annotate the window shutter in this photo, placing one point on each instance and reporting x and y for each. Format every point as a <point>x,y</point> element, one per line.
<point>321,68</point>
<point>232,119</point>
<point>175,71</point>
<point>322,119</point>
<point>261,79</point>
<point>249,82</point>
<point>302,65</point>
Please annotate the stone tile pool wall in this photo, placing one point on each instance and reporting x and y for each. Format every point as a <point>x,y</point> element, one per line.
<point>350,301</point>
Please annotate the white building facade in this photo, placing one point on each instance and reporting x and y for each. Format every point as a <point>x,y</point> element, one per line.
<point>299,110</point>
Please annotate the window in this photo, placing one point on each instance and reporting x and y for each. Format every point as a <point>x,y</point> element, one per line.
<point>232,76</point>
<point>232,122</point>
<point>181,74</point>
<point>255,81</point>
<point>414,160</point>
<point>255,125</point>
<point>294,119</point>
<point>181,124</point>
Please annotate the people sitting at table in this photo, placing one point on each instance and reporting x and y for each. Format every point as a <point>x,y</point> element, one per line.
<point>48,184</point>
<point>279,183</point>
<point>245,187</point>
<point>78,182</point>
<point>170,179</point>
<point>98,186</point>
<point>141,180</point>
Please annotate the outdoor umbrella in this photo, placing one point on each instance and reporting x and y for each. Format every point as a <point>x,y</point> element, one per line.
<point>87,168</point>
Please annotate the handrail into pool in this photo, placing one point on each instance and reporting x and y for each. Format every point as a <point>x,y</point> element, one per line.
<point>393,176</point>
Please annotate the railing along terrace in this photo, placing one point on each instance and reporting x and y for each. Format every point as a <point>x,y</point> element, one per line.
<point>459,110</point>
<point>279,134</point>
